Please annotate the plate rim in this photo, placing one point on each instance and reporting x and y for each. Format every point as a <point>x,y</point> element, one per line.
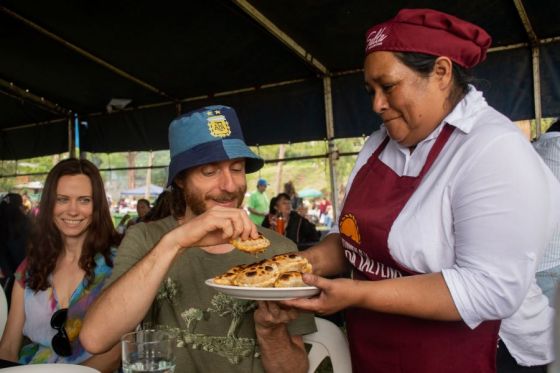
<point>210,282</point>
<point>255,293</point>
<point>50,367</point>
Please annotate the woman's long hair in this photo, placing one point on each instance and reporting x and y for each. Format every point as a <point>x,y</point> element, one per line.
<point>47,242</point>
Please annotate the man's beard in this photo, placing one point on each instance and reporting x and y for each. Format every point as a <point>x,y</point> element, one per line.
<point>196,202</point>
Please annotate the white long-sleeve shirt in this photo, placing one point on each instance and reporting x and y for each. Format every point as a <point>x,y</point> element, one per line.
<point>482,216</point>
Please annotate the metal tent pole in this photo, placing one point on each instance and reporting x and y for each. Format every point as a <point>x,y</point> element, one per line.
<point>333,153</point>
<point>535,45</point>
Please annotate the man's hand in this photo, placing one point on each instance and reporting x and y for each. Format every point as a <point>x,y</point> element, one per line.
<point>216,226</point>
<point>271,315</point>
<point>280,351</point>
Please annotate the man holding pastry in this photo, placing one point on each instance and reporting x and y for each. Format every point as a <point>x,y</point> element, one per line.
<point>161,267</point>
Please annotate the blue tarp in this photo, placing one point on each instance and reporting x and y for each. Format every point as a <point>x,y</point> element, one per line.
<point>140,191</point>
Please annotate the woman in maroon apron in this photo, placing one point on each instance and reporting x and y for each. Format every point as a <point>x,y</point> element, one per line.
<point>400,319</point>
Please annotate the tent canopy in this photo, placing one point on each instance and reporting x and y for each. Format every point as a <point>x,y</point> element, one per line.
<point>66,60</point>
<point>141,190</point>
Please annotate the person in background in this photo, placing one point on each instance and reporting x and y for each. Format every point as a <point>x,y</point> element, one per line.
<point>447,213</point>
<point>258,203</point>
<point>26,202</point>
<point>297,228</point>
<point>14,232</point>
<point>290,190</point>
<point>161,208</point>
<point>70,257</point>
<point>173,257</point>
<point>34,210</point>
<point>142,208</point>
<point>123,224</point>
<point>548,271</point>
<point>271,216</point>
<point>323,206</point>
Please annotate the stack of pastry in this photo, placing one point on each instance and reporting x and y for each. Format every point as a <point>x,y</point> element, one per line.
<point>280,271</point>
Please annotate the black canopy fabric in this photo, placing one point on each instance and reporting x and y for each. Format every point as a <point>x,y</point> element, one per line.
<point>169,57</point>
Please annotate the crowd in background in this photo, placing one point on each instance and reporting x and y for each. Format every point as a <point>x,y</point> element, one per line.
<point>18,212</point>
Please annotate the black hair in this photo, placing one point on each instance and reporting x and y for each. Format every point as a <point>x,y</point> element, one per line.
<point>423,64</point>
<point>272,206</point>
<point>178,202</point>
<point>144,201</point>
<point>162,207</point>
<point>283,195</point>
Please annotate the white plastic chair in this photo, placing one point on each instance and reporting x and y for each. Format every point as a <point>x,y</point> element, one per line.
<point>3,311</point>
<point>329,341</point>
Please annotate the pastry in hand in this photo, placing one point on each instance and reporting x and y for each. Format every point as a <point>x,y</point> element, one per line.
<point>229,277</point>
<point>292,262</point>
<point>262,274</point>
<point>289,280</point>
<point>251,246</point>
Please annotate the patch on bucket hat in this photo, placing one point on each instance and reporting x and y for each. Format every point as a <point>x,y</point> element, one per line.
<point>207,135</point>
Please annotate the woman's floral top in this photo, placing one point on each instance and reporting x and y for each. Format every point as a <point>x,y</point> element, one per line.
<point>39,308</point>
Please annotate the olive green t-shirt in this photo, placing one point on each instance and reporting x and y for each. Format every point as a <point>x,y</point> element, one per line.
<point>216,332</point>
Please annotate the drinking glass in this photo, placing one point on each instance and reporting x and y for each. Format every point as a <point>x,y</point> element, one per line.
<point>148,351</point>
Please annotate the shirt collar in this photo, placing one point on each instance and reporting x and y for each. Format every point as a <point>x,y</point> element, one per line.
<point>464,114</point>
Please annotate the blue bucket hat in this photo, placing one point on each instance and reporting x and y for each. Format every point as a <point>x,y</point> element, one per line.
<point>207,135</point>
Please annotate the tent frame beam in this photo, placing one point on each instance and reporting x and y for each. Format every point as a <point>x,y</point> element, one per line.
<point>84,53</point>
<point>324,72</point>
<point>17,92</point>
<point>294,46</point>
<point>253,89</point>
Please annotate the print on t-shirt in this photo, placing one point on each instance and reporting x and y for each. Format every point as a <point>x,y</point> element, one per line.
<point>230,346</point>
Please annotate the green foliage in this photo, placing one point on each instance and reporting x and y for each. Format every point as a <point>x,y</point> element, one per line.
<point>306,173</point>
<point>545,124</point>
<point>32,169</point>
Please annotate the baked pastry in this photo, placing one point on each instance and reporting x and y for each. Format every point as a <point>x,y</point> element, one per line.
<point>282,270</point>
<point>228,277</point>
<point>291,279</point>
<point>262,274</point>
<point>251,246</point>
<point>292,262</point>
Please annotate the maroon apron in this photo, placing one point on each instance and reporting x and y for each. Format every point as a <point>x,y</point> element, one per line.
<point>392,343</point>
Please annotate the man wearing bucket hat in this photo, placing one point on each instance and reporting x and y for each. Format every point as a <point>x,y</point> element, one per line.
<point>161,267</point>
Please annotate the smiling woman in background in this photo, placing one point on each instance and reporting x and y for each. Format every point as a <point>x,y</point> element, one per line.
<point>446,216</point>
<point>70,257</point>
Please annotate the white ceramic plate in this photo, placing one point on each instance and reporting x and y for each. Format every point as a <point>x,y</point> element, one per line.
<point>49,368</point>
<point>264,293</point>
